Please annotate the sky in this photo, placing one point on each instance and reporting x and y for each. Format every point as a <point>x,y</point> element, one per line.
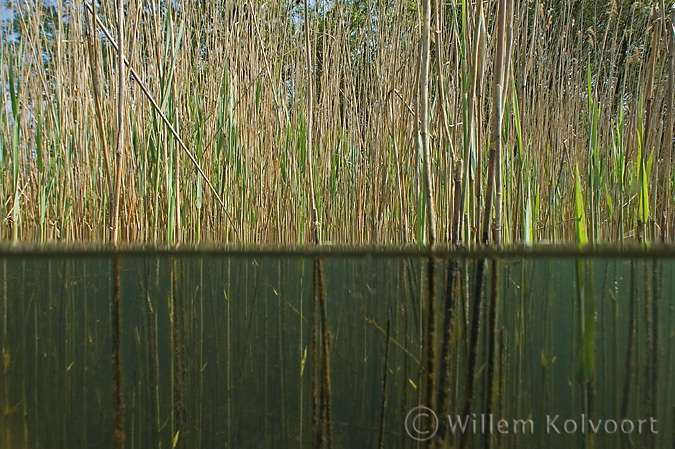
<point>5,12</point>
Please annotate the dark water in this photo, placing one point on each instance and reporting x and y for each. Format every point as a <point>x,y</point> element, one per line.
<point>228,352</point>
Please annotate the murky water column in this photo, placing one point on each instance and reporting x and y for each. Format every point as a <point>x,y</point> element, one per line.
<point>216,352</point>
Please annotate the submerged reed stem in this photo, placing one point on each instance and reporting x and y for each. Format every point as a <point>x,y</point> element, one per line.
<point>118,395</point>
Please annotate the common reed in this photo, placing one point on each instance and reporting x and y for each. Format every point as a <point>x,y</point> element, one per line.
<point>231,80</point>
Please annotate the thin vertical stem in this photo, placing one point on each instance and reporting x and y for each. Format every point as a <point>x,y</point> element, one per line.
<point>475,107</point>
<point>326,400</point>
<point>425,49</point>
<point>121,93</point>
<point>443,99</point>
<point>310,127</point>
<point>492,352</point>
<point>96,89</point>
<point>494,187</point>
<point>649,104</point>
<point>431,333</point>
<point>474,333</point>
<point>668,154</point>
<point>118,434</point>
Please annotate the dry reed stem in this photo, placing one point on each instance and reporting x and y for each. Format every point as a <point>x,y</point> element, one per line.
<point>494,167</point>
<point>656,20</point>
<point>425,57</point>
<point>121,94</point>
<point>670,123</point>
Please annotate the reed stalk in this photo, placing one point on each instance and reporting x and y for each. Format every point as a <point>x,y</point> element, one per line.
<point>14,94</point>
<point>629,367</point>
<point>475,106</point>
<point>442,97</point>
<point>493,189</point>
<point>432,267</point>
<point>492,350</point>
<point>310,127</point>
<point>474,332</point>
<point>656,19</point>
<point>653,291</point>
<point>383,407</point>
<point>405,227</point>
<point>448,340</point>
<point>176,156</point>
<point>121,103</point>
<point>92,49</point>
<point>281,338</point>
<point>463,166</point>
<point>118,410</point>
<point>326,391</point>
<point>666,154</point>
<point>506,71</point>
<point>5,435</point>
<point>424,118</point>
<point>457,209</point>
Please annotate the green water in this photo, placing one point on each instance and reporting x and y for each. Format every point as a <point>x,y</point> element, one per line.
<point>218,352</point>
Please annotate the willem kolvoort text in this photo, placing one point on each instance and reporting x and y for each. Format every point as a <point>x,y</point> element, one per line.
<point>553,424</point>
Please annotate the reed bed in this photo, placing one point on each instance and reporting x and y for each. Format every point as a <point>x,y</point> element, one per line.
<point>587,85</point>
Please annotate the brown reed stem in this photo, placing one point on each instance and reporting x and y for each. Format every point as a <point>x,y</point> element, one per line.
<point>649,94</point>
<point>474,104</point>
<point>176,164</point>
<point>474,333</point>
<point>310,127</point>
<point>499,185</point>
<point>96,90</point>
<point>121,93</point>
<point>458,204</point>
<point>118,392</point>
<point>494,162</point>
<point>651,299</point>
<point>404,232</point>
<point>431,333</point>
<point>492,354</point>
<point>649,105</point>
<point>446,378</point>
<point>668,154</point>
<point>177,318</point>
<point>445,127</point>
<point>425,49</point>
<point>328,392</point>
<point>4,361</point>
<point>315,436</point>
<point>322,427</point>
